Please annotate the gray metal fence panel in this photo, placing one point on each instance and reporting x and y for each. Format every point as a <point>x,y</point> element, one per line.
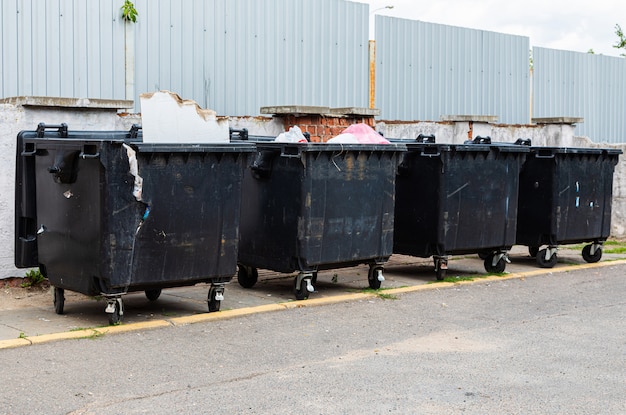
<point>235,56</point>
<point>427,70</point>
<point>581,85</point>
<point>67,48</point>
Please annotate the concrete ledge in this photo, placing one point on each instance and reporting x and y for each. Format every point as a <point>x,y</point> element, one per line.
<point>107,104</point>
<point>558,120</point>
<point>369,112</point>
<point>294,110</point>
<point>470,118</point>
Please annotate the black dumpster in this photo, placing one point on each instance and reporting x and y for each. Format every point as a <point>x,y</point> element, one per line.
<point>102,213</point>
<point>565,198</point>
<point>457,199</point>
<point>314,206</point>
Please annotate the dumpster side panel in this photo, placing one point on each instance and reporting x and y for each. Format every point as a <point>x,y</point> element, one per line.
<point>535,225</point>
<point>318,206</point>
<point>476,188</point>
<point>98,235</point>
<point>348,212</point>
<point>191,230</point>
<point>69,216</point>
<point>418,222</point>
<point>584,197</point>
<point>481,201</point>
<point>565,196</point>
<point>271,207</point>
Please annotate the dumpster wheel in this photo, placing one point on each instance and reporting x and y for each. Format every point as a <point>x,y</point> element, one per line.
<point>375,276</point>
<point>302,285</point>
<point>441,266</point>
<point>549,262</point>
<point>496,268</point>
<point>58,299</point>
<point>247,276</point>
<point>215,297</point>
<point>592,257</point>
<point>153,294</point>
<point>115,309</point>
<point>533,251</point>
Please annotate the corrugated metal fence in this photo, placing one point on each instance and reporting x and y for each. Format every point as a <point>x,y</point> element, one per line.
<point>425,70</point>
<point>235,56</point>
<point>582,85</point>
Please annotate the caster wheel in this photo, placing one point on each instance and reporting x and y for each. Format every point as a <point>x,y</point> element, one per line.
<point>546,263</point>
<point>58,299</point>
<point>533,251</point>
<point>117,315</point>
<point>372,277</point>
<point>441,273</point>
<point>247,276</point>
<point>591,258</point>
<point>153,294</point>
<point>302,293</point>
<point>494,269</point>
<point>214,302</point>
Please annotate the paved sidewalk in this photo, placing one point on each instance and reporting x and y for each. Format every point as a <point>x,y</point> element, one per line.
<point>35,321</point>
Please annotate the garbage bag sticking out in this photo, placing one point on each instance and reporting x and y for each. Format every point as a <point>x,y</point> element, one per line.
<point>167,118</point>
<point>294,135</point>
<point>359,133</point>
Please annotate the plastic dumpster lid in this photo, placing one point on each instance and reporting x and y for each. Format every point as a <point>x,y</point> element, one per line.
<point>241,147</point>
<point>297,148</point>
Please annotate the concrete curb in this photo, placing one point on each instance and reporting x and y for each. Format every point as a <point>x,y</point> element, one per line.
<point>316,302</point>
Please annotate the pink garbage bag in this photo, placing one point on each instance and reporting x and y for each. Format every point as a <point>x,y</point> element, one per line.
<point>365,134</point>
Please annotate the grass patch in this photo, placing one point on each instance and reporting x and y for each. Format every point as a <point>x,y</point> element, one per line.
<point>380,293</point>
<point>459,278</point>
<point>615,247</point>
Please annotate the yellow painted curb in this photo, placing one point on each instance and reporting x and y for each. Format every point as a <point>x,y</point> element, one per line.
<point>77,334</point>
<point>222,315</point>
<point>144,325</point>
<point>314,302</point>
<point>12,343</point>
<point>227,314</point>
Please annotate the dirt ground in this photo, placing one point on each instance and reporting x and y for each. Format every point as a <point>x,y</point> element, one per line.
<point>14,296</point>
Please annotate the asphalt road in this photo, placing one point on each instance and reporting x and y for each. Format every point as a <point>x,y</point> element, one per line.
<point>549,344</point>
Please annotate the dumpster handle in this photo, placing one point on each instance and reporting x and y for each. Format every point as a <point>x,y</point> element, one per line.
<point>134,131</point>
<point>425,152</point>
<point>544,154</point>
<point>481,140</point>
<point>29,149</point>
<point>423,138</point>
<point>241,134</point>
<point>61,128</point>
<point>89,152</point>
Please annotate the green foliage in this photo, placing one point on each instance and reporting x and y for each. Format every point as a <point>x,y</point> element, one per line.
<point>621,43</point>
<point>32,278</point>
<point>129,12</point>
